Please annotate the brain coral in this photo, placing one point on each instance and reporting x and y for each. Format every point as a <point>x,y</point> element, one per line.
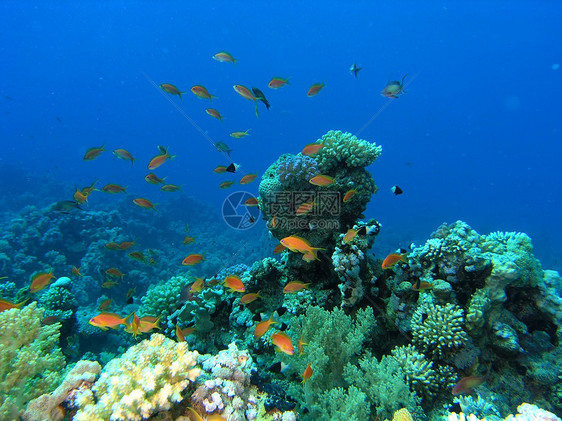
<point>438,329</point>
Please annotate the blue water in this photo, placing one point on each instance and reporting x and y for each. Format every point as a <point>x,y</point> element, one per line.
<point>476,136</point>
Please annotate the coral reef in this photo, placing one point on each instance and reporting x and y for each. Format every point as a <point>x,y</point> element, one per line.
<point>30,359</point>
<point>149,377</point>
<point>47,407</point>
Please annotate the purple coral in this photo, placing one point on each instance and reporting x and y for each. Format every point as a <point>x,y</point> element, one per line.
<point>296,169</point>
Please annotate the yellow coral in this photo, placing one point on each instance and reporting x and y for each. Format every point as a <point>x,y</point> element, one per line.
<point>402,415</point>
<point>142,381</point>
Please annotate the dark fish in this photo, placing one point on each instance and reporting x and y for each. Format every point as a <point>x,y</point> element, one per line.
<point>259,95</point>
<point>231,168</point>
<point>396,190</point>
<point>51,320</point>
<point>354,69</point>
<point>281,310</point>
<point>130,300</point>
<point>65,206</point>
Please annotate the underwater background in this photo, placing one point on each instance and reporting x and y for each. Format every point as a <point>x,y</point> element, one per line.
<point>473,135</point>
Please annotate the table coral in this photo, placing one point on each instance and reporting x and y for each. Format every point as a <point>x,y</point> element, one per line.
<point>30,360</point>
<point>149,377</point>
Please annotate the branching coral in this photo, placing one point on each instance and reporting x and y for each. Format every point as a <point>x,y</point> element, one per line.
<point>343,147</point>
<point>149,377</point>
<point>30,360</point>
<point>418,370</point>
<point>437,329</point>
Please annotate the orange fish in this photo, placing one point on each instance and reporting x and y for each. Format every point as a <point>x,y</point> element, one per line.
<point>76,271</point>
<point>108,320</point>
<point>80,197</point>
<point>250,298</point>
<point>312,149</point>
<point>144,203</point>
<point>160,159</point>
<point>252,201</point>
<point>8,305</point>
<point>295,286</point>
<point>105,304</point>
<point>93,153</point>
<point>234,283</point>
<point>244,92</point>
<point>226,184</point>
<point>123,154</point>
<point>248,178</point>
<point>466,384</point>
<point>350,236</point>
<point>283,342</point>
<point>279,248</point>
<point>315,89</point>
<point>307,373</point>
<point>170,188</point>
<point>239,135</point>
<point>309,257</point>
<point>171,89</point>
<point>202,92</point>
<point>137,255</point>
<point>304,208</point>
<point>220,169</point>
<point>295,243</point>
<point>153,179</point>
<point>214,113</point>
<point>277,82</point>
<point>322,180</point>
<point>182,333</point>
<point>421,286</point>
<point>40,280</point>
<point>89,189</point>
<point>273,222</point>
<point>394,89</point>
<point>193,259</point>
<point>188,240</point>
<point>263,326</point>
<point>392,259</point>
<point>131,292</point>
<point>224,57</point>
<point>125,245</point>
<point>300,346</point>
<point>113,189</point>
<point>349,195</point>
<point>115,273</point>
<point>112,246</point>
<point>197,286</point>
<point>109,284</point>
<point>143,325</point>
<point>134,325</point>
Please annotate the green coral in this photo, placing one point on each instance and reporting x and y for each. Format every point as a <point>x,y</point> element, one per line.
<point>58,301</point>
<point>334,339</point>
<point>342,147</point>
<point>149,377</point>
<point>339,404</point>
<point>384,383</point>
<point>418,370</point>
<point>30,360</point>
<point>438,330</point>
<point>164,298</point>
